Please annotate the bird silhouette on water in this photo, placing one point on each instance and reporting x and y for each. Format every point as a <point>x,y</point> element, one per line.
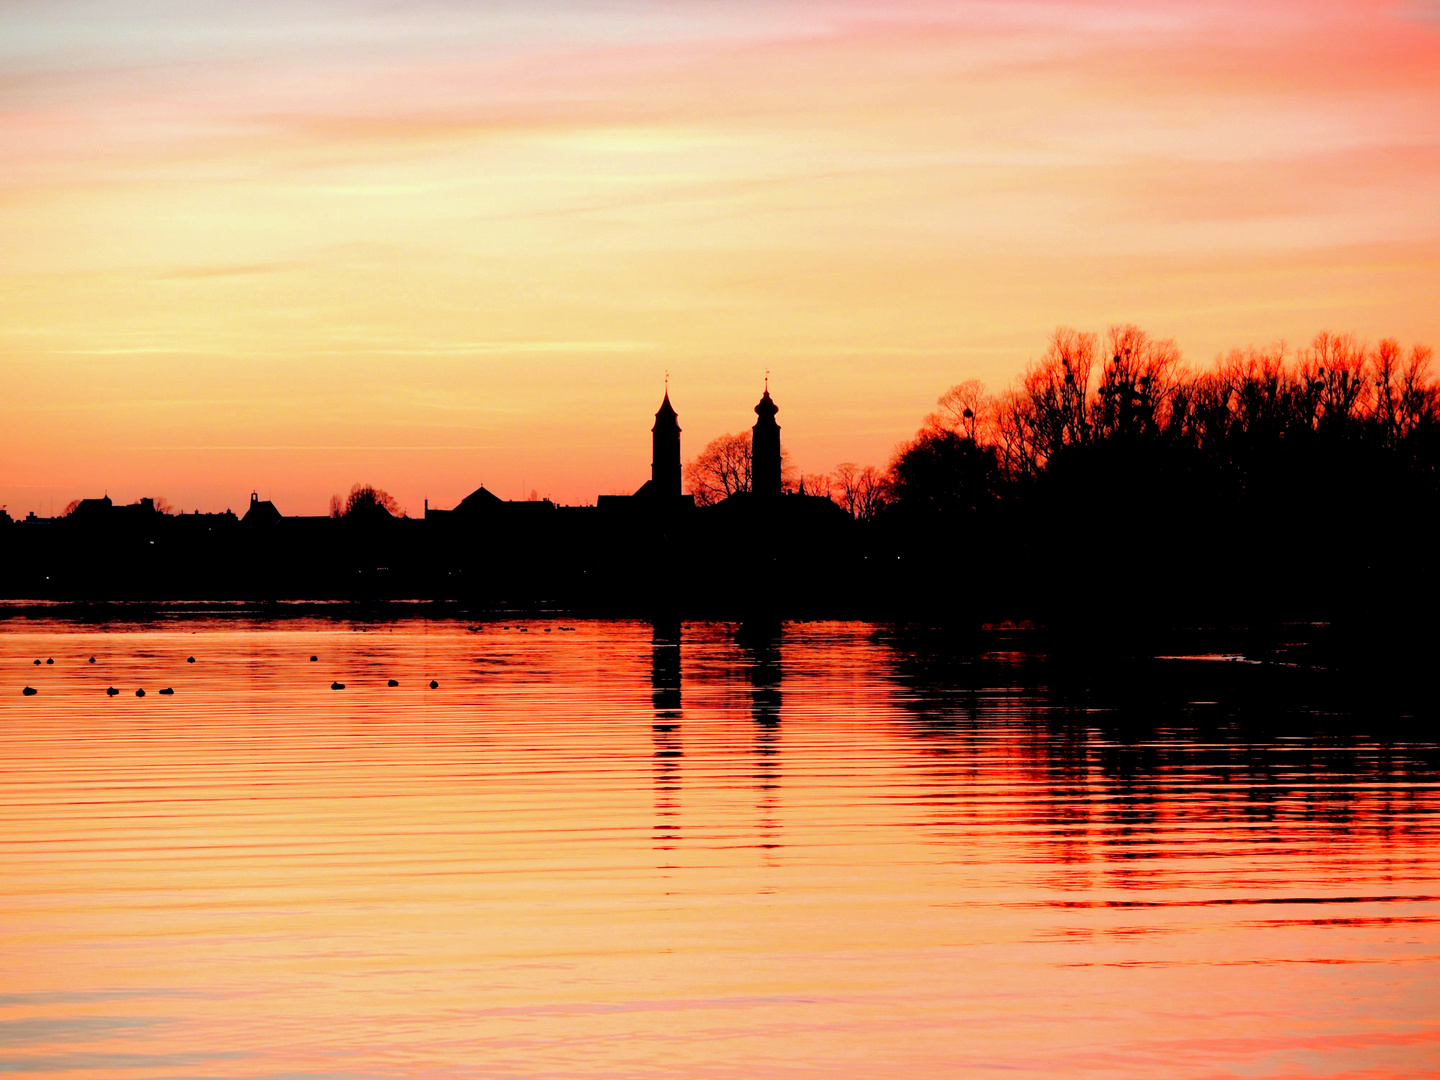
<point>111,691</point>
<point>313,659</point>
<point>337,686</point>
<point>189,659</point>
<point>92,659</point>
<point>51,660</point>
<point>29,691</point>
<point>434,685</point>
<point>393,682</point>
<point>140,692</point>
<point>168,691</point>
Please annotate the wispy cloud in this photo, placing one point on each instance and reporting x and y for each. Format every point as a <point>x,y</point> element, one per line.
<point>201,273</point>
<point>372,348</point>
<point>349,210</point>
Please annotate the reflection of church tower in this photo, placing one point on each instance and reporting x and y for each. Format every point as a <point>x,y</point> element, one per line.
<point>665,692</point>
<point>766,674</point>
<point>765,448</point>
<point>665,453</point>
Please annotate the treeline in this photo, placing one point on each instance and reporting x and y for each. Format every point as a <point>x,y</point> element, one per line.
<point>1113,480</point>
<point>1337,394</point>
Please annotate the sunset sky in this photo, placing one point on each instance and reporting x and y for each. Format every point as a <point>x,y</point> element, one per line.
<point>291,246</point>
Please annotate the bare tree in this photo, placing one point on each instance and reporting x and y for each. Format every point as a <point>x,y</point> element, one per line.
<point>723,468</point>
<point>846,475</point>
<point>965,409</point>
<point>821,484</point>
<point>1058,385</point>
<point>1333,376</point>
<point>1257,389</point>
<point>1385,362</point>
<point>1419,397</point>
<point>861,492</point>
<point>720,470</point>
<point>366,501</point>
<point>1016,438</point>
<point>873,493</point>
<point>1138,386</point>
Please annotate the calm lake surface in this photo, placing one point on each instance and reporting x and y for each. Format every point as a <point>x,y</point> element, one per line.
<point>612,851</point>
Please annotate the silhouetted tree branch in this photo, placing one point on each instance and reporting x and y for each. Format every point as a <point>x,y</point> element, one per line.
<point>861,492</point>
<point>365,501</point>
<point>720,470</point>
<point>723,468</point>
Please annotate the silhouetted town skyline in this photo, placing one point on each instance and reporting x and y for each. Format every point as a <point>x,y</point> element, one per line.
<point>1106,489</point>
<point>665,483</point>
<point>484,549</point>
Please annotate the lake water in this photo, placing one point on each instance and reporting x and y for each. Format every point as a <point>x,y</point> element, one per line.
<point>612,851</point>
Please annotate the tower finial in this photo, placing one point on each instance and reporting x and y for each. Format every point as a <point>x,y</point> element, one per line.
<point>767,380</point>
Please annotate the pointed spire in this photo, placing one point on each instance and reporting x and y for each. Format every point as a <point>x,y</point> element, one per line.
<point>666,410</point>
<point>665,443</point>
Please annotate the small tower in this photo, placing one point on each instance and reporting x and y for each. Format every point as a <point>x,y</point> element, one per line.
<point>665,452</point>
<point>765,448</point>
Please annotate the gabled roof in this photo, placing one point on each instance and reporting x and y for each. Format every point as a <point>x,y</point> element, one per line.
<point>87,507</point>
<point>261,512</point>
<point>481,500</point>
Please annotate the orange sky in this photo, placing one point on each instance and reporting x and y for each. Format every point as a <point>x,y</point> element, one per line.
<point>295,246</point>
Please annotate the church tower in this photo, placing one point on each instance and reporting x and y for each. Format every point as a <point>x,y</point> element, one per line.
<point>665,452</point>
<point>765,448</point>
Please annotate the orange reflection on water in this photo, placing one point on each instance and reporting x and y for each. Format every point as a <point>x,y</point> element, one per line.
<point>621,850</point>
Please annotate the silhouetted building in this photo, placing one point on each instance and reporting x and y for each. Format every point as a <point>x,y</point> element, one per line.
<point>478,505</point>
<point>665,453</point>
<point>660,495</point>
<point>261,512</point>
<point>756,553</point>
<point>97,512</point>
<point>483,508</point>
<point>91,510</point>
<point>765,448</point>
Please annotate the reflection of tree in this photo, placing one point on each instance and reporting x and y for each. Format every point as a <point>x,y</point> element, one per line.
<point>1115,776</point>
